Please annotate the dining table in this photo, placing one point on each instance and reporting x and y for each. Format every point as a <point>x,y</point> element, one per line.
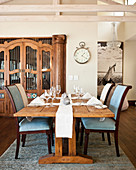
<point>79,111</point>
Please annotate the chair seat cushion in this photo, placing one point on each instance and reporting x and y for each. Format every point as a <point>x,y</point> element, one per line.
<point>36,124</point>
<point>96,124</point>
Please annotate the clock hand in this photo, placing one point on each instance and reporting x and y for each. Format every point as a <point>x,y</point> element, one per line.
<point>84,57</point>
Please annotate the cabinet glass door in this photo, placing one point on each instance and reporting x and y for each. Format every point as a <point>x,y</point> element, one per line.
<point>46,68</point>
<point>14,65</point>
<point>31,68</point>
<point>1,70</point>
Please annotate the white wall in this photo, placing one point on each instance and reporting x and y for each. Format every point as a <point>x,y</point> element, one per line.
<point>75,32</point>
<point>130,30</point>
<point>130,67</point>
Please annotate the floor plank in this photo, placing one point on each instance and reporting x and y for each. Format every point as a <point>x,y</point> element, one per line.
<point>127,133</point>
<point>7,133</point>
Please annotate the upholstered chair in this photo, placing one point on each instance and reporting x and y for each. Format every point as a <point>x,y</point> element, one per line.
<point>25,101</point>
<point>105,92</point>
<point>37,125</point>
<point>104,96</point>
<point>109,125</point>
<point>23,94</point>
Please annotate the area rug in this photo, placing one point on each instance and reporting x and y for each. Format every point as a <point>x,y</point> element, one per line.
<point>104,156</point>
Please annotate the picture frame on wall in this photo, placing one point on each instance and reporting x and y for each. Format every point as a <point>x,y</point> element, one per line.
<point>110,64</point>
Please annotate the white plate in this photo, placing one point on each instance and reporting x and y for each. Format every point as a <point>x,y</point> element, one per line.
<point>100,107</point>
<point>74,98</point>
<point>104,106</point>
<point>56,104</point>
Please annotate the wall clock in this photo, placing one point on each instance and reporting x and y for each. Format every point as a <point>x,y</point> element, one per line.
<point>82,54</point>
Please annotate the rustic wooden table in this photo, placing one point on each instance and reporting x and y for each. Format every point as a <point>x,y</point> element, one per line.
<point>78,112</point>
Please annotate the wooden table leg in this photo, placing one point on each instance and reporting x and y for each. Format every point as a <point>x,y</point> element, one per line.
<point>72,141</point>
<point>58,146</point>
<point>71,158</point>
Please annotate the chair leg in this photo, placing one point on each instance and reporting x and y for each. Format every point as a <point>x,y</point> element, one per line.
<point>116,143</point>
<point>23,140</point>
<point>82,133</point>
<point>52,139</point>
<point>86,142</point>
<point>17,147</point>
<point>49,142</point>
<point>103,138</point>
<point>77,128</point>
<point>108,136</point>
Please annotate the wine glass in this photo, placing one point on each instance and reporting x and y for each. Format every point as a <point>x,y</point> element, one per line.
<point>77,91</point>
<point>81,92</point>
<point>74,87</point>
<point>52,95</point>
<point>46,96</point>
<point>58,89</point>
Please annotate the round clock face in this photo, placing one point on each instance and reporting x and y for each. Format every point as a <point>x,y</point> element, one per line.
<point>81,55</point>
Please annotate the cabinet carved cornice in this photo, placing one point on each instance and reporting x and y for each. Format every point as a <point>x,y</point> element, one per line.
<point>35,64</point>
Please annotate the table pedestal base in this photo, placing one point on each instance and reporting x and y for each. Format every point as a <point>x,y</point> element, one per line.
<point>51,158</point>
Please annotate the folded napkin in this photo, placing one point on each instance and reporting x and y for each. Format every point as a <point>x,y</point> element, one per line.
<point>64,121</point>
<point>37,102</point>
<point>94,101</point>
<point>42,96</point>
<point>87,96</point>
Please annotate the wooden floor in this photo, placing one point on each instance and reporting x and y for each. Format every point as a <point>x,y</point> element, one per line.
<point>127,133</point>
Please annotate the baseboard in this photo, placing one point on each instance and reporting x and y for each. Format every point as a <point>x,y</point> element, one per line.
<point>132,102</point>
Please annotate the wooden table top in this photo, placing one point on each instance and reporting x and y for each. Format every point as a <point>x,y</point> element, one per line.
<point>78,111</point>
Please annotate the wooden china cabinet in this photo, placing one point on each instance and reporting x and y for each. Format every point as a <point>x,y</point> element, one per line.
<point>36,63</point>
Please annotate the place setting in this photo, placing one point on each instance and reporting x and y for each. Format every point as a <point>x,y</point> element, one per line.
<point>49,98</point>
<point>80,98</point>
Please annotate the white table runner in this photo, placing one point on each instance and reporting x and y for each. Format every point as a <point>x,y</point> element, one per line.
<point>64,121</point>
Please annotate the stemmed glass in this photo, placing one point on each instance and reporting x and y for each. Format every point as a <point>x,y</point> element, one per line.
<point>81,92</point>
<point>52,94</point>
<point>58,89</point>
<point>74,87</point>
<point>46,96</point>
<point>78,91</point>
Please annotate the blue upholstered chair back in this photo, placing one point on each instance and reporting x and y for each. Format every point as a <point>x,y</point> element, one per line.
<point>116,99</point>
<point>16,96</point>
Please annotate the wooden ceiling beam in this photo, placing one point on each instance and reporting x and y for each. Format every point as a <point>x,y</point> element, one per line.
<point>55,18</point>
<point>65,8</point>
<point>56,2</point>
<point>110,2</point>
<point>4,1</point>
